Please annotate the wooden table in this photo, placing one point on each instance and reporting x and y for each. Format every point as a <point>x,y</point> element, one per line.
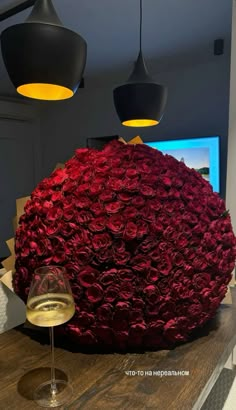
<point>101,382</point>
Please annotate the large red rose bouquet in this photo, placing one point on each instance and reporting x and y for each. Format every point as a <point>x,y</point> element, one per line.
<point>148,247</point>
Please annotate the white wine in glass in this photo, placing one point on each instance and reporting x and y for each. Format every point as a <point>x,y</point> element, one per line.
<point>50,303</point>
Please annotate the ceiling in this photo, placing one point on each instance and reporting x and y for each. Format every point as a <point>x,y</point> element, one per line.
<point>170,28</point>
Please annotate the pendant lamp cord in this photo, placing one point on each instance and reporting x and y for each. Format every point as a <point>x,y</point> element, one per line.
<point>140,26</point>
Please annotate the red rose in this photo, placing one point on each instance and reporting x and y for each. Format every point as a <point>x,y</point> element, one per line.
<point>57,196</point>
<point>121,258</point>
<point>201,280</point>
<point>167,181</point>
<point>84,255</point>
<point>138,201</point>
<point>131,173</point>
<point>182,290</point>
<point>97,209</point>
<point>172,331</point>
<point>165,265</point>
<point>104,312</point>
<point>117,172</point>
<point>142,229</point>
<point>87,276</point>
<point>169,233</point>
<point>163,246</point>
<point>122,311</point>
<point>69,186</point>
<point>80,238</point>
<point>118,246</point>
<point>68,203</point>
<point>189,254</point>
<point>158,227</point>
<point>130,231</point>
<point>181,241</point>
<point>136,333</point>
<point>140,264</point>
<point>74,330</point>
<point>87,338</point>
<point>144,167</point>
<point>83,202</point>
<point>58,176</point>
<point>125,275</point>
<point>126,290</point>
<point>80,152</point>
<point>113,207</point>
<point>151,180</point>
<point>83,217</point>
<point>130,212</point>
<point>108,277</point>
<point>94,293</point>
<point>131,184</point>
<point>151,293</point>
<point>195,309</point>
<point>68,214</point>
<point>115,184</point>
<point>106,196</point>
<point>148,215</point>
<point>174,194</point>
<point>101,241</point>
<point>111,293</point>
<point>178,259</point>
<point>148,244</point>
<point>88,177</point>
<point>136,316</point>
<point>161,193</point>
<point>155,204</point>
<point>95,189</point>
<point>228,239</point>
<point>211,259</point>
<point>97,224</point>
<point>138,303</point>
<point>125,197</point>
<point>115,224</point>
<point>153,275</point>
<point>104,256</point>
<point>163,286</point>
<point>85,319</point>
<point>54,213</point>
<point>72,269</point>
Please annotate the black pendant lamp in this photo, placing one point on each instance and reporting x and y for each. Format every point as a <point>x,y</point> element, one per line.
<point>44,59</point>
<point>140,102</point>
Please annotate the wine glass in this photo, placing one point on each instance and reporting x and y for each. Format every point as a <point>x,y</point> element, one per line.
<point>50,303</point>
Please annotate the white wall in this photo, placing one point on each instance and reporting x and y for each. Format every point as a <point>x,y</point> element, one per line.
<point>231,169</point>
<point>197,105</point>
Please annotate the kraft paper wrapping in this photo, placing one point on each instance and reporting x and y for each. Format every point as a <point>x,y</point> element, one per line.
<point>135,140</point>
<point>9,263</point>
<point>59,165</point>
<point>20,204</point>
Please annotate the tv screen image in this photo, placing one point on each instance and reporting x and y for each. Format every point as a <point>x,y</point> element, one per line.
<point>202,154</point>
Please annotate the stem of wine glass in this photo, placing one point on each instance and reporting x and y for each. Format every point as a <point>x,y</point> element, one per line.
<point>53,379</point>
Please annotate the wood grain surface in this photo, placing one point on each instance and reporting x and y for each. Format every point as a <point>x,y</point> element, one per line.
<point>100,381</point>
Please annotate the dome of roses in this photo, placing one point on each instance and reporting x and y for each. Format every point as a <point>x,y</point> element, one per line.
<point>147,246</point>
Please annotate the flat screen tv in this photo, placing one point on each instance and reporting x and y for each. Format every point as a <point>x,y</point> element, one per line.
<point>202,154</point>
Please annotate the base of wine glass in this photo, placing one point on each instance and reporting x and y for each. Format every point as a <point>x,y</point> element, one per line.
<point>46,397</point>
